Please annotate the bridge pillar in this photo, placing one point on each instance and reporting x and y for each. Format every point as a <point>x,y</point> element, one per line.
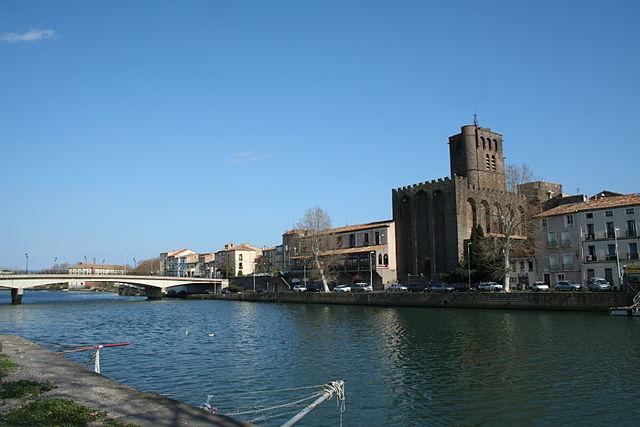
<point>16,295</point>
<point>153,293</point>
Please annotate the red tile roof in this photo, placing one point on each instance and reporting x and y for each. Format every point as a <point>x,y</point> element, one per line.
<point>348,228</point>
<point>593,204</point>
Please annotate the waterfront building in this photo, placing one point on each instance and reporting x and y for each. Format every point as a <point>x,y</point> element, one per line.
<point>207,265</point>
<point>236,260</point>
<point>174,263</point>
<point>366,248</point>
<point>595,237</point>
<point>523,272</point>
<point>101,269</point>
<point>270,260</point>
<point>434,219</point>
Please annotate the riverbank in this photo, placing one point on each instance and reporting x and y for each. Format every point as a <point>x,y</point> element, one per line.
<point>581,301</point>
<point>61,383</point>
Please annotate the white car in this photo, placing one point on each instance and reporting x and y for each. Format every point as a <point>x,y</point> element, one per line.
<point>397,287</point>
<point>342,288</point>
<point>299,288</point>
<point>489,286</point>
<point>538,286</point>
<point>361,287</point>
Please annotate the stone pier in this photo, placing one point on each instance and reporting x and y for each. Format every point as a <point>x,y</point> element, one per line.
<point>16,295</point>
<point>153,293</point>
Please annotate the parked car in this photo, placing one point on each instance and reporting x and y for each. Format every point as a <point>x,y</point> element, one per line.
<point>299,288</point>
<point>361,287</point>
<point>489,286</point>
<point>441,287</point>
<point>461,287</point>
<point>397,287</point>
<point>418,287</point>
<point>598,284</point>
<point>563,285</point>
<point>342,288</point>
<point>538,286</point>
<point>315,287</point>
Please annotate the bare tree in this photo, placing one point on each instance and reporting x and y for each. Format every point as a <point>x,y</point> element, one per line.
<point>511,214</point>
<point>146,267</point>
<point>319,245</point>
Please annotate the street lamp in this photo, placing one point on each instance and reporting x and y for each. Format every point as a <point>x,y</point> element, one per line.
<point>55,263</point>
<point>85,260</point>
<point>615,239</point>
<point>469,262</point>
<point>125,264</point>
<point>371,267</point>
<point>26,255</point>
<point>134,263</point>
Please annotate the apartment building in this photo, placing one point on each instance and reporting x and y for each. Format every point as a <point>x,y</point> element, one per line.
<point>236,260</point>
<point>102,269</point>
<point>179,263</point>
<point>270,261</point>
<point>596,237</point>
<point>366,248</point>
<point>207,265</point>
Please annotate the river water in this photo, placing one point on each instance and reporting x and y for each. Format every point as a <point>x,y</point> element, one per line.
<point>401,366</point>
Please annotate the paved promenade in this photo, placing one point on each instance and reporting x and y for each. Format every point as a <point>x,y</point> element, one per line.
<point>120,402</point>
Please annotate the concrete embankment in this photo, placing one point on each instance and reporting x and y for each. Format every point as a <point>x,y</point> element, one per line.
<point>515,300</point>
<point>120,402</point>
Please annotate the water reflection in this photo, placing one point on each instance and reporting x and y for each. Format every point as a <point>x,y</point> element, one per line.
<point>404,366</point>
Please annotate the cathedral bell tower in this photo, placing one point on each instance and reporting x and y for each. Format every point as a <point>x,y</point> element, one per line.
<point>477,154</point>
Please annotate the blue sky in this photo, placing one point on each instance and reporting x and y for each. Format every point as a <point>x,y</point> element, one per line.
<point>138,127</point>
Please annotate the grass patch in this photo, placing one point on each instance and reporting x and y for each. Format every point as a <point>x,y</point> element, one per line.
<point>6,365</point>
<point>54,412</point>
<point>22,388</point>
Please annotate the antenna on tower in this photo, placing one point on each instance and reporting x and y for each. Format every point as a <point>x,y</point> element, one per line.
<point>475,117</point>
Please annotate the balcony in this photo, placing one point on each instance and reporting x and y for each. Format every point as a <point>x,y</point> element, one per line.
<point>632,233</point>
<point>632,255</point>
<point>566,243</point>
<point>554,267</point>
<point>589,236</point>
<point>552,244</point>
<point>566,267</point>
<point>608,235</point>
<point>591,258</point>
<point>611,257</point>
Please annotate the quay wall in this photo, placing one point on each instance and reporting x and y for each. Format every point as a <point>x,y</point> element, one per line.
<point>514,300</point>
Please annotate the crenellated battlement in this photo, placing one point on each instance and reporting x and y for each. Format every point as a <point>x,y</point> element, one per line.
<point>434,182</point>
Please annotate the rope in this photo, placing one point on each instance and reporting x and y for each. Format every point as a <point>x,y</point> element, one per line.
<point>337,387</point>
<point>271,408</point>
<point>279,390</point>
<point>326,391</point>
<point>270,417</point>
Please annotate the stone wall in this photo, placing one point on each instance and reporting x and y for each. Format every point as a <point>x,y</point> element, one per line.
<point>514,300</point>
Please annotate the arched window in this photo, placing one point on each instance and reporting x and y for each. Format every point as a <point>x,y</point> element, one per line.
<point>496,143</point>
<point>377,237</point>
<point>472,211</point>
<point>240,258</point>
<point>489,143</point>
<point>352,240</point>
<point>487,216</point>
<point>488,162</point>
<point>379,259</point>
<point>386,259</point>
<point>493,162</point>
<point>484,144</point>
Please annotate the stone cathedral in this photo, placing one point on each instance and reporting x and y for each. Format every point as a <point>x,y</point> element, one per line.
<point>434,219</point>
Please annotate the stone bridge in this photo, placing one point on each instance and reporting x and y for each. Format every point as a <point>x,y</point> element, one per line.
<point>155,286</point>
